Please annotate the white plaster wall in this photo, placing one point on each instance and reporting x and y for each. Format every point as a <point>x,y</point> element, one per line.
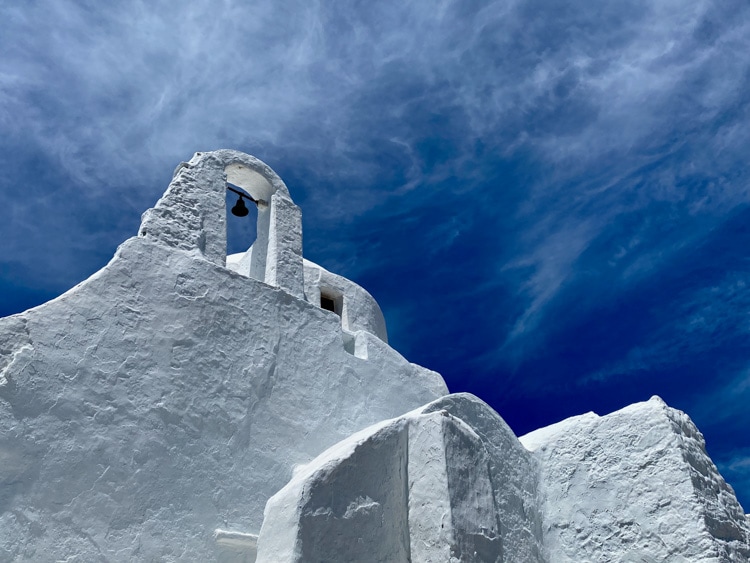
<point>167,396</point>
<point>514,476</point>
<point>635,485</point>
<point>349,504</point>
<point>429,471</point>
<point>360,311</point>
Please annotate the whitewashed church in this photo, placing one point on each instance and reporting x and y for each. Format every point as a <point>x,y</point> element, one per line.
<point>185,405</point>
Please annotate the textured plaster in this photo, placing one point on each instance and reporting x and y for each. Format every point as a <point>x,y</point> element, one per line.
<point>434,471</point>
<point>167,396</point>
<point>635,485</point>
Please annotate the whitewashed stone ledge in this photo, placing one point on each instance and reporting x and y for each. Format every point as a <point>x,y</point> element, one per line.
<point>236,547</point>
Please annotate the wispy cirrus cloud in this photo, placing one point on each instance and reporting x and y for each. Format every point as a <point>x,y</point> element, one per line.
<point>694,319</point>
<point>545,197</point>
<point>615,107</point>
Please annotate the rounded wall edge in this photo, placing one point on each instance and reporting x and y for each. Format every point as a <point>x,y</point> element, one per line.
<point>359,310</point>
<point>228,157</point>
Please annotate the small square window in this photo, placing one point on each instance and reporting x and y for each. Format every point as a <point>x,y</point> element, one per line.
<point>327,303</point>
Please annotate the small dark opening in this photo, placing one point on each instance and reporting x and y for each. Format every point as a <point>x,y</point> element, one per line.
<point>327,303</point>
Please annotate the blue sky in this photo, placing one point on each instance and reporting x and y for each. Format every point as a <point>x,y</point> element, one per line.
<point>548,199</point>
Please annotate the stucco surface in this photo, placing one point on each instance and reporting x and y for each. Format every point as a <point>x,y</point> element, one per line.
<point>439,472</point>
<point>632,486</point>
<point>168,396</point>
<point>636,485</point>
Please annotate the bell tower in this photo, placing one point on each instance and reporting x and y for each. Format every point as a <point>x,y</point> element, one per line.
<point>192,215</point>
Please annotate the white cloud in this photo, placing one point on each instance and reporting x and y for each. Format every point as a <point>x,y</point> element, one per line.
<point>598,96</point>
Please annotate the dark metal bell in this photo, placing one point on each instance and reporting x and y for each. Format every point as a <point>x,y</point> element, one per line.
<point>239,208</point>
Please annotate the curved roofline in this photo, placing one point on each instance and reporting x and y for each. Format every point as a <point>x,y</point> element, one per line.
<point>230,157</point>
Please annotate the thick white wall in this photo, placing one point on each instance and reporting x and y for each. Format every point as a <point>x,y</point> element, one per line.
<point>635,485</point>
<point>359,310</point>
<point>349,504</point>
<point>438,472</point>
<point>514,475</point>
<point>167,396</point>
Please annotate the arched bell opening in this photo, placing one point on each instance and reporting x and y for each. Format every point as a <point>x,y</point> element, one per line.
<point>249,196</point>
<point>242,221</point>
